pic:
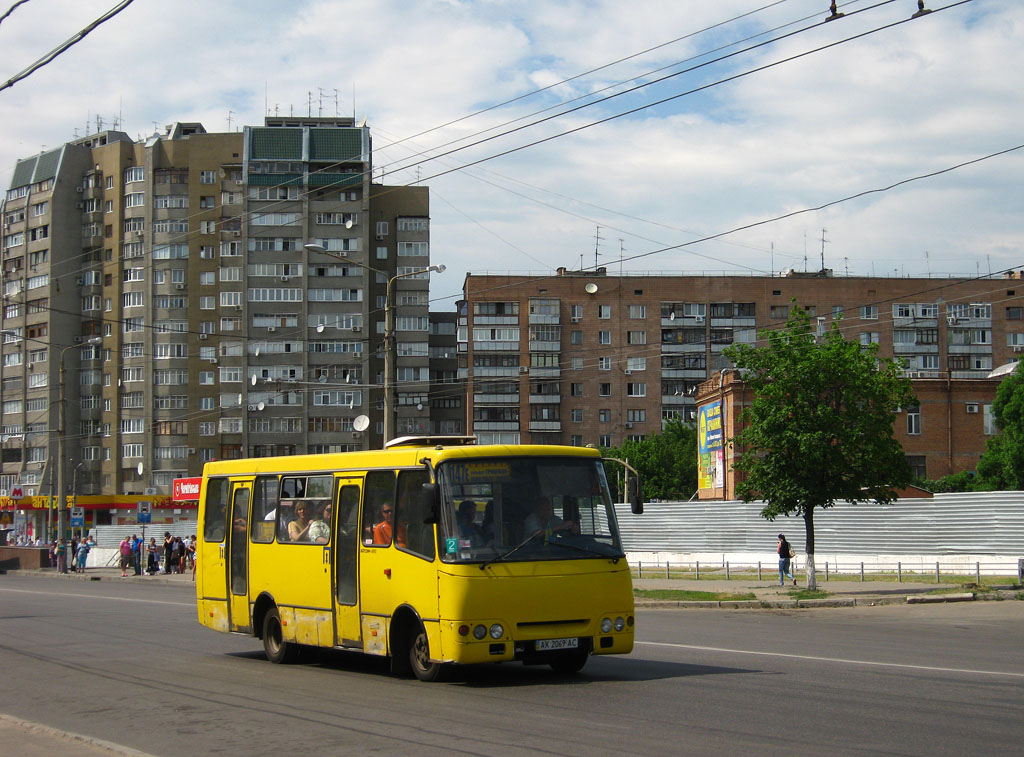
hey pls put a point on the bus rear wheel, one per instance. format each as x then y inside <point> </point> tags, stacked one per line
<point>419,658</point>
<point>276,648</point>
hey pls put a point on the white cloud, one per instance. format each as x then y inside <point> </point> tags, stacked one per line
<point>906,101</point>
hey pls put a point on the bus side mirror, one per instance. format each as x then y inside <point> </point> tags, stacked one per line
<point>429,503</point>
<point>636,497</point>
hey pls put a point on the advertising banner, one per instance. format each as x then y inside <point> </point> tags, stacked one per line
<point>709,446</point>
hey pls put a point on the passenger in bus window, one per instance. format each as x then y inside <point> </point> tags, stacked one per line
<point>467,523</point>
<point>383,531</point>
<point>298,529</point>
<point>319,531</point>
<point>544,521</point>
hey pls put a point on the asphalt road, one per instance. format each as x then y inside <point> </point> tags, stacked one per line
<point>127,663</point>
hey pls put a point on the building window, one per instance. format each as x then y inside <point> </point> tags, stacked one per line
<point>576,337</point>
<point>604,390</point>
<point>636,337</point>
<point>868,337</point>
<point>207,177</point>
<point>576,415</point>
<point>576,390</point>
<point>918,469</point>
<point>636,389</point>
<point>637,311</point>
<point>869,312</point>
<point>603,363</point>
<point>914,421</point>
<point>604,337</point>
<point>990,421</point>
<point>780,311</point>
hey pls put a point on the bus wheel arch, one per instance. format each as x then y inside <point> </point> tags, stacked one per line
<point>410,647</point>
<point>264,602</point>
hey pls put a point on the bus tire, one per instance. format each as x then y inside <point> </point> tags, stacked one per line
<point>419,657</point>
<point>569,662</point>
<point>278,650</point>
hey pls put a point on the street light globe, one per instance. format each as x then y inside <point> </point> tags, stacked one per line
<point>313,247</point>
<point>439,268</point>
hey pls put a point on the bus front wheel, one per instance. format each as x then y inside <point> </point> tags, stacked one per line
<point>419,658</point>
<point>569,662</point>
<point>277,649</point>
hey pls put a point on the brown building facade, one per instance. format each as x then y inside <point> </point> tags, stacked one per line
<point>592,358</point>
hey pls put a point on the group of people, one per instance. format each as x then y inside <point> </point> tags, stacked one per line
<point>179,554</point>
<point>73,553</point>
<point>310,523</point>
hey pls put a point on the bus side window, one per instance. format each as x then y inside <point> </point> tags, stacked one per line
<point>410,514</point>
<point>216,512</point>
<point>378,498</point>
<point>264,510</point>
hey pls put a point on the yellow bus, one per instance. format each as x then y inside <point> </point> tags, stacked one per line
<point>432,551</point>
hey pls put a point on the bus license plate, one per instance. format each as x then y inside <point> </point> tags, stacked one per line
<point>545,645</point>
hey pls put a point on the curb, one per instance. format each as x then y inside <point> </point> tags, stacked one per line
<point>940,598</point>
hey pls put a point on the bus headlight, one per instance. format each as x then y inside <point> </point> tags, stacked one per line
<point>606,625</point>
<point>479,631</point>
<point>497,631</point>
<point>619,623</point>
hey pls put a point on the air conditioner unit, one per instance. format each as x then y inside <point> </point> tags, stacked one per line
<point>79,281</point>
<point>236,233</point>
<point>627,424</point>
<point>253,407</point>
<point>951,321</point>
<point>203,336</point>
<point>575,319</point>
<point>179,287</point>
<point>271,328</point>
<point>628,372</point>
<point>79,339</point>
<point>79,205</point>
<point>238,307</point>
<point>379,236</point>
<point>698,319</point>
<point>972,407</point>
<point>1018,348</point>
<point>191,450</point>
<point>357,329</point>
<point>78,189</point>
<point>523,369</point>
<point>285,278</point>
<point>138,234</point>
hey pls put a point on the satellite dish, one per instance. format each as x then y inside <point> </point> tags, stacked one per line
<point>323,378</point>
<point>348,224</point>
<point>253,380</point>
<point>419,405</point>
<point>320,328</point>
<point>261,405</point>
<point>361,423</point>
<point>256,352</point>
<point>591,288</point>
<point>140,467</point>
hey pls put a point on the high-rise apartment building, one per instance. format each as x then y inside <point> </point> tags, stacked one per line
<point>592,358</point>
<point>173,280</point>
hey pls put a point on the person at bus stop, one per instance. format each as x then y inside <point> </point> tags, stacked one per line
<point>544,521</point>
<point>383,531</point>
<point>318,531</point>
<point>125,549</point>
<point>168,546</point>
<point>785,550</point>
<point>298,529</point>
<point>137,554</point>
<point>60,551</point>
<point>152,558</point>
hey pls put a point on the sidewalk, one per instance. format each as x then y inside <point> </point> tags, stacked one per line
<point>768,593</point>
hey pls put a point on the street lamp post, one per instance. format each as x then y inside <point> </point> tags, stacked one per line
<point>62,503</point>
<point>389,329</point>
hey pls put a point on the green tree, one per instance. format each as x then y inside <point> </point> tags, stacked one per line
<point>1002,464</point>
<point>666,462</point>
<point>819,429</point>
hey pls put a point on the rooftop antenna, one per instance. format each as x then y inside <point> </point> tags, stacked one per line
<point>353,101</point>
<point>309,103</point>
<point>230,113</point>
<point>927,264</point>
<point>773,258</point>
<point>989,259</point>
<point>266,99</point>
<point>622,249</point>
<point>337,111</point>
<point>597,243</point>
<point>320,107</point>
<point>823,240</point>
<point>846,265</point>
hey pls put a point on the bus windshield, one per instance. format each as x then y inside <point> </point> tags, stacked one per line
<point>526,508</point>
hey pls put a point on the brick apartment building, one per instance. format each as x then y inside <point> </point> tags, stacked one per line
<point>170,279</point>
<point>592,358</point>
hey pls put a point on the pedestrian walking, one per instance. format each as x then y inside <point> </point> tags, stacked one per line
<point>786,553</point>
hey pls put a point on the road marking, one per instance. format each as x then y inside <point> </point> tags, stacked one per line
<point>99,596</point>
<point>839,660</point>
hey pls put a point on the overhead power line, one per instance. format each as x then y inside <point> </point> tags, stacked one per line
<point>64,46</point>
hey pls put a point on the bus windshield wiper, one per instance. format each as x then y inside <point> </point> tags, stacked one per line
<point>516,548</point>
<point>584,550</point>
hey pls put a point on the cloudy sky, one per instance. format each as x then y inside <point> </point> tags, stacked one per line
<point>727,114</point>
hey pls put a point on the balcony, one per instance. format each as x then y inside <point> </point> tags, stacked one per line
<point>546,426</point>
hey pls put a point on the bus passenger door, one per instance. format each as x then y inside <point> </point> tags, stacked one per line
<point>346,562</point>
<point>238,558</point>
